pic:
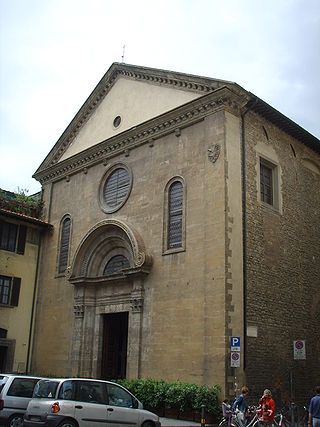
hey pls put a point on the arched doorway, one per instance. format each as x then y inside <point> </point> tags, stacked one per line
<point>108,274</point>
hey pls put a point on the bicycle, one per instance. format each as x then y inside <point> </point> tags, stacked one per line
<point>251,421</point>
<point>302,420</point>
<point>280,419</point>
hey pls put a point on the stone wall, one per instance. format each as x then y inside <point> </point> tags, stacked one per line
<point>283,258</point>
<point>193,299</point>
<point>184,320</point>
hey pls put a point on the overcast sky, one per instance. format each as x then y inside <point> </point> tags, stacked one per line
<point>54,52</point>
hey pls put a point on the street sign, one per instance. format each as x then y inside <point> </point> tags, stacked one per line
<point>235,359</point>
<point>235,343</point>
<point>299,350</point>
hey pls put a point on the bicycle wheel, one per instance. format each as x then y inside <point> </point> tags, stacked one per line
<point>223,423</point>
<point>252,422</point>
<point>277,420</point>
<point>235,422</point>
<point>303,421</point>
<point>286,423</point>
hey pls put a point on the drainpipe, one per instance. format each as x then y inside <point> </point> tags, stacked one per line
<point>33,302</point>
<point>244,227</point>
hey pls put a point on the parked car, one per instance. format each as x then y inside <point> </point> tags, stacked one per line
<point>77,402</point>
<point>15,393</point>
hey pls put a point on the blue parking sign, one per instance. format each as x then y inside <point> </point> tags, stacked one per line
<point>235,343</point>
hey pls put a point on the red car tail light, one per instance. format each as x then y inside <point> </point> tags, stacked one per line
<point>1,404</point>
<point>55,407</point>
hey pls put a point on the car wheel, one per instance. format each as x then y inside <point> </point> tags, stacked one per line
<point>15,421</point>
<point>148,424</point>
<point>68,423</point>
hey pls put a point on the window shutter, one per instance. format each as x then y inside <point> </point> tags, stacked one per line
<point>116,187</point>
<point>21,239</point>
<point>16,284</point>
<point>64,245</point>
<point>175,215</point>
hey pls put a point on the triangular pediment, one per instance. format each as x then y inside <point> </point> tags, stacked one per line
<point>131,94</point>
<point>128,103</point>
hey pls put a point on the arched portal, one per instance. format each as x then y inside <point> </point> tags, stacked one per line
<point>108,271</point>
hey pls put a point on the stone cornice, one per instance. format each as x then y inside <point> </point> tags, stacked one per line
<point>125,275</point>
<point>147,132</point>
<point>186,82</point>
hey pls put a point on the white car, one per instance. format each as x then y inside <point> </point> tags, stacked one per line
<point>77,402</point>
<point>15,394</point>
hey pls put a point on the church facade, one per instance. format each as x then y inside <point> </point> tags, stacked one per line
<point>185,211</point>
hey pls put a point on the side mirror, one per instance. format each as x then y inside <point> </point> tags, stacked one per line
<point>135,404</point>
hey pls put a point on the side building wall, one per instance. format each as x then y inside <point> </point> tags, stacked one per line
<point>15,319</point>
<point>283,258</point>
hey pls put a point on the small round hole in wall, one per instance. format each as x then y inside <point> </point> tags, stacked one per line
<point>116,122</point>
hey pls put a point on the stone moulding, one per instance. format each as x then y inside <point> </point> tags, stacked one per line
<point>201,85</point>
<point>92,242</point>
<point>181,117</point>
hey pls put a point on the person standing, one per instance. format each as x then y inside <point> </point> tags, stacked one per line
<point>240,405</point>
<point>268,407</point>
<point>314,409</point>
<point>226,411</point>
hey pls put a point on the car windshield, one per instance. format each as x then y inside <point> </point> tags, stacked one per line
<point>45,389</point>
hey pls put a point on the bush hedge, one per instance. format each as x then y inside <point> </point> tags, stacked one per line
<point>160,394</point>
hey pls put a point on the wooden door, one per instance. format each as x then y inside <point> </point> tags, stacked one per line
<point>114,351</point>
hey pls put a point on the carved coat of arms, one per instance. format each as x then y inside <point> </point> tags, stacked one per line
<point>213,152</point>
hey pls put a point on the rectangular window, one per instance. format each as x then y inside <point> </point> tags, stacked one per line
<point>5,289</point>
<point>10,290</point>
<point>8,236</point>
<point>12,237</point>
<point>91,392</point>
<point>269,185</point>
<point>22,387</point>
<point>266,190</point>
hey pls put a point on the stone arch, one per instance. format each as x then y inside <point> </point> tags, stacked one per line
<point>95,294</point>
<point>104,240</point>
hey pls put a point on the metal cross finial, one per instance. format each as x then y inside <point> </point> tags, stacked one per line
<point>124,46</point>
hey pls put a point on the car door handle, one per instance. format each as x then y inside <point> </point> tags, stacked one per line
<point>110,409</point>
<point>79,407</point>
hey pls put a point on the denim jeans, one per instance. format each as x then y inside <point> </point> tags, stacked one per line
<point>315,422</point>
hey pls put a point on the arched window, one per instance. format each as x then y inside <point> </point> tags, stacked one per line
<point>115,265</point>
<point>175,212</point>
<point>64,244</point>
<point>174,216</point>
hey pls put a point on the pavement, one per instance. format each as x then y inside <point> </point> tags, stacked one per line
<point>170,422</point>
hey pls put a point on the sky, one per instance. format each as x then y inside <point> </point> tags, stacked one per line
<point>54,52</point>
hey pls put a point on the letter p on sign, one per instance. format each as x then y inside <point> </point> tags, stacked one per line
<point>235,343</point>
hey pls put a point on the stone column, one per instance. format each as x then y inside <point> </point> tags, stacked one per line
<point>88,332</point>
<point>77,335</point>
<point>134,331</point>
